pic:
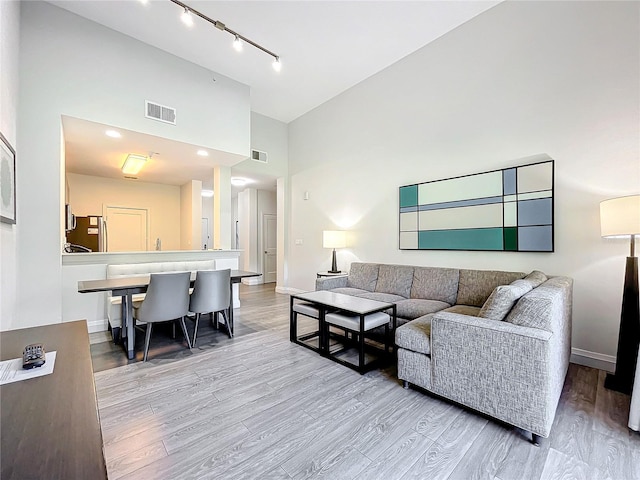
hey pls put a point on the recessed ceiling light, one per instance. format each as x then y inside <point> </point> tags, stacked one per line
<point>239,181</point>
<point>203,153</point>
<point>112,134</point>
<point>207,193</point>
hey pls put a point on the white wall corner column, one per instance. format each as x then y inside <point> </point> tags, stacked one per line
<point>283,233</point>
<point>222,207</point>
<point>191,215</point>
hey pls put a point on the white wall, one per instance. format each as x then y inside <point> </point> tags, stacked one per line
<point>191,215</point>
<point>88,195</point>
<point>522,79</point>
<point>252,205</point>
<point>72,66</point>
<point>270,136</point>
<point>9,48</point>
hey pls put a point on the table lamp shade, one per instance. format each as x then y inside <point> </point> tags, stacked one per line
<point>620,216</point>
<point>334,239</point>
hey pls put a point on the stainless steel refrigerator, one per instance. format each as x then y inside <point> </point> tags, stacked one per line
<point>89,233</point>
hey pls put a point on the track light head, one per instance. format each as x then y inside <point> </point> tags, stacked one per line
<point>277,66</point>
<point>237,44</point>
<point>186,17</point>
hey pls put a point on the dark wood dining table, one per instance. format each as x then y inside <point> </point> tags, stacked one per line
<point>126,287</point>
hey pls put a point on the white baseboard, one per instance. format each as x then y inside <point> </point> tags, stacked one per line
<point>95,326</point>
<point>288,290</point>
<point>593,359</point>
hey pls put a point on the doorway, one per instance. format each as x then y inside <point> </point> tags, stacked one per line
<point>126,229</point>
<point>270,244</point>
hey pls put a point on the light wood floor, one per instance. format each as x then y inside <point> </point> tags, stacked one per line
<point>260,407</point>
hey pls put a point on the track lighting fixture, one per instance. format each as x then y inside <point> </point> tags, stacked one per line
<point>237,44</point>
<point>187,18</point>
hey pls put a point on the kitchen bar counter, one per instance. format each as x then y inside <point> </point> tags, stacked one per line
<point>93,266</point>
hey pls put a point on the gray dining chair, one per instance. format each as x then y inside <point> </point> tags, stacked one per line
<point>211,294</point>
<point>167,299</point>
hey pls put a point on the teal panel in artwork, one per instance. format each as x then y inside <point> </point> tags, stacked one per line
<point>409,196</point>
<point>467,239</point>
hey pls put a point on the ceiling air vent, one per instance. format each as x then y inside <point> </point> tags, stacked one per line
<point>160,112</point>
<point>259,156</point>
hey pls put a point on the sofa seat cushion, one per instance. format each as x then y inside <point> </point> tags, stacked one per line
<point>476,285</point>
<point>381,297</point>
<point>356,292</point>
<point>416,307</point>
<point>395,279</point>
<point>503,298</point>
<point>464,310</point>
<point>415,335</point>
<point>435,284</point>
<point>363,276</point>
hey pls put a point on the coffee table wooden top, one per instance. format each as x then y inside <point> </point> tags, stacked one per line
<point>360,306</point>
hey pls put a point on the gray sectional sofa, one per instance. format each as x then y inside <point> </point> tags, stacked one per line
<point>497,342</point>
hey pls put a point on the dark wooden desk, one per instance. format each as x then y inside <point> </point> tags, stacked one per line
<point>49,425</point>
<point>126,287</point>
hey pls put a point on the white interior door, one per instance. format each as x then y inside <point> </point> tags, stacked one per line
<point>270,243</point>
<point>206,239</point>
<point>126,229</point>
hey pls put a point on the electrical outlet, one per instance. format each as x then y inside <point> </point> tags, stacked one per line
<point>298,241</point>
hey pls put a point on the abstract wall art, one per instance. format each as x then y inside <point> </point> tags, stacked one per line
<point>502,210</point>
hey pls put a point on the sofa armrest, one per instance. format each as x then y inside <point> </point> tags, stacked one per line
<point>497,368</point>
<point>327,283</point>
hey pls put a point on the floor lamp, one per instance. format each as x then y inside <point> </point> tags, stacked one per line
<point>334,239</point>
<point>620,217</point>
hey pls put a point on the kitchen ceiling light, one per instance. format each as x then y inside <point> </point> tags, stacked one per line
<point>112,134</point>
<point>133,164</point>
<point>221,26</point>
<point>239,181</point>
<point>203,153</point>
<point>207,193</point>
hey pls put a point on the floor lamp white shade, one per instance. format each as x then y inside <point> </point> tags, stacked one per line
<point>334,239</point>
<point>620,217</point>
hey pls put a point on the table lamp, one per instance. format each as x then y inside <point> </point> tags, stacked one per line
<point>334,239</point>
<point>620,217</point>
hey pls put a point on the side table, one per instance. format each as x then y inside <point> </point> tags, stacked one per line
<point>330,274</point>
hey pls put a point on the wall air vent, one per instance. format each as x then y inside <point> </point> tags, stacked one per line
<point>259,156</point>
<point>159,112</point>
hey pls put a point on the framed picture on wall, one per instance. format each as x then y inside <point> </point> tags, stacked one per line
<point>7,181</point>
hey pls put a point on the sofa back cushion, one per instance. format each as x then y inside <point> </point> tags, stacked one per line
<point>395,279</point>
<point>535,279</point>
<point>363,276</point>
<point>543,306</point>
<point>475,286</point>
<point>503,298</point>
<point>432,283</point>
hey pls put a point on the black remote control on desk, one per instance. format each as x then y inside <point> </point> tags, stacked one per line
<point>33,356</point>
